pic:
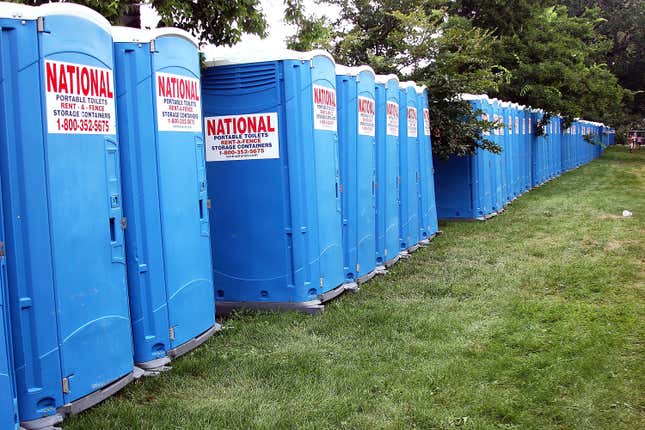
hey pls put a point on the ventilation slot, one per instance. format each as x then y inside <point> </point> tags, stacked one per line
<point>249,77</point>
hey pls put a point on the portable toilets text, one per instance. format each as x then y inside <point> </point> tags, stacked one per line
<point>242,137</point>
<point>392,112</point>
<point>179,104</point>
<point>79,99</point>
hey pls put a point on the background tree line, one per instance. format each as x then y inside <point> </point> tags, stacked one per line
<point>572,57</point>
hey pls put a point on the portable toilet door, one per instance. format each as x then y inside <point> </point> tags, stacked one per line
<point>548,172</point>
<point>164,193</point>
<point>538,150</point>
<point>380,97</point>
<point>357,158</point>
<point>525,150</point>
<point>517,156</point>
<point>60,66</point>
<point>564,137</point>
<point>486,175</point>
<point>510,152</point>
<point>555,141</point>
<point>506,136</point>
<point>387,161</point>
<point>276,235</point>
<point>497,180</point>
<point>408,167</point>
<point>484,160</point>
<point>429,225</point>
<point>8,400</point>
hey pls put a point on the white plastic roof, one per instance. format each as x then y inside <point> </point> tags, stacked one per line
<point>233,56</point>
<point>468,96</point>
<point>73,9</point>
<point>127,34</point>
<point>408,84</point>
<point>343,70</point>
<point>384,79</point>
<point>17,11</point>
<point>353,71</point>
<point>173,31</point>
<point>364,68</point>
<point>420,88</point>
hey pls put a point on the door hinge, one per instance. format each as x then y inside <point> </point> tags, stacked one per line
<point>124,223</point>
<point>358,268</point>
<point>208,203</point>
<point>40,25</point>
<point>322,282</point>
<point>340,188</point>
<point>171,333</point>
<point>65,385</point>
<point>152,46</point>
<point>2,249</point>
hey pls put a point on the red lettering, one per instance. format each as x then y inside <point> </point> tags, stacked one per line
<point>251,124</point>
<point>52,82</point>
<point>262,127</point>
<point>210,128</point>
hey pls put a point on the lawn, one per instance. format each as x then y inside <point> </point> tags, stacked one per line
<point>534,319</point>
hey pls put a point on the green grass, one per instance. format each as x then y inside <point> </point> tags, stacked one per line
<point>534,319</point>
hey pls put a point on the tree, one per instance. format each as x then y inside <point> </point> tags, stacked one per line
<point>416,40</point>
<point>558,62</point>
<point>220,22</point>
<point>624,25</point>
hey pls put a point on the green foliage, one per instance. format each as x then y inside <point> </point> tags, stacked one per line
<point>416,40</point>
<point>624,25</point>
<point>220,22</point>
<point>531,52</point>
<point>554,64</point>
<point>313,32</point>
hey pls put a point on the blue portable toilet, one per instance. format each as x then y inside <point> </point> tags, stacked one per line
<point>497,160</point>
<point>428,223</point>
<point>164,193</point>
<point>575,157</point>
<point>564,147</point>
<point>506,136</point>
<point>507,154</point>
<point>8,400</point>
<point>538,149</point>
<point>463,184</point>
<point>409,168</point>
<point>387,170</point>
<point>357,160</point>
<point>557,142</point>
<point>68,294</point>
<point>525,152</point>
<point>548,158</point>
<point>517,150</point>
<point>272,166</point>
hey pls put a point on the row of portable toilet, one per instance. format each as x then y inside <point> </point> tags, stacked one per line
<point>320,176</point>
<point>104,233</point>
<point>532,152</point>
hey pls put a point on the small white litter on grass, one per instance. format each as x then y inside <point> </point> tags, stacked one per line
<point>627,213</point>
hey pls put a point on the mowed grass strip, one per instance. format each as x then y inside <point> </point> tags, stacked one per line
<point>534,319</point>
